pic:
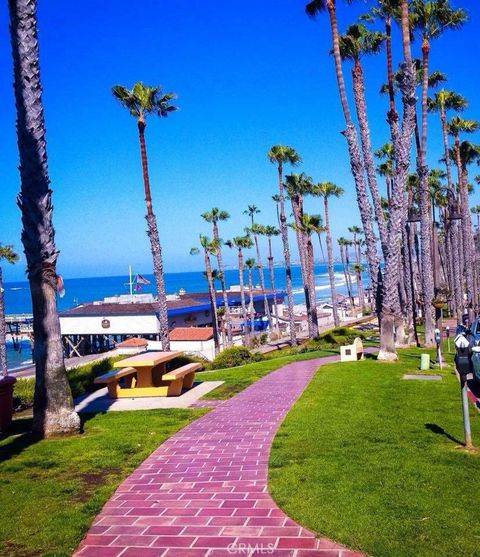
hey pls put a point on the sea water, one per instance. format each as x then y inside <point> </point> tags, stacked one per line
<point>84,290</point>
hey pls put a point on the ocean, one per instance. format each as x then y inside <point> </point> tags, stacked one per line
<point>77,291</point>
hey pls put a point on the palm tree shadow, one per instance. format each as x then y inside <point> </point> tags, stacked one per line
<point>434,428</point>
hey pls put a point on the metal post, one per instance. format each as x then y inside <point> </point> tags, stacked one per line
<point>466,414</point>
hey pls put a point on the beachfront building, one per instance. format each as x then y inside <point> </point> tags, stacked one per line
<point>96,326</point>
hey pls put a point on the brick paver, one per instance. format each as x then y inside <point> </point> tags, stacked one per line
<point>203,493</point>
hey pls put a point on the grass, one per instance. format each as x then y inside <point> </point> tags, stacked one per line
<point>239,378</point>
<point>373,461</point>
<point>50,490</point>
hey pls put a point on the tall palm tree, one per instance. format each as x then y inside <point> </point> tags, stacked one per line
<point>250,265</point>
<point>256,229</point>
<point>342,244</point>
<point>385,168</point>
<point>241,243</point>
<point>455,127</point>
<point>298,185</point>
<point>210,247</point>
<point>6,254</point>
<point>276,199</point>
<point>356,161</point>
<point>53,410</point>
<point>357,42</point>
<point>214,217</point>
<point>358,270</point>
<point>271,231</point>
<point>320,229</point>
<point>142,101</point>
<point>326,190</point>
<point>431,19</point>
<point>281,155</point>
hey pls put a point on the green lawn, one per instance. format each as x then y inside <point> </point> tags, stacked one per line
<point>50,490</point>
<point>239,378</point>
<point>373,461</point>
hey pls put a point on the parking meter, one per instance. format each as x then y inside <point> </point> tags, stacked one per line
<point>437,337</point>
<point>463,356</point>
<point>447,334</point>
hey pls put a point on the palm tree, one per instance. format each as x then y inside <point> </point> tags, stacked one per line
<point>342,244</point>
<point>320,229</point>
<point>142,101</point>
<point>276,199</point>
<point>455,127</point>
<point>357,42</point>
<point>280,155</point>
<point>271,231</point>
<point>356,161</point>
<point>256,229</point>
<point>6,254</point>
<point>214,216</point>
<point>385,168</point>
<point>298,185</point>
<point>210,247</point>
<point>241,243</point>
<point>326,190</point>
<point>358,270</point>
<point>53,410</point>
<point>250,265</point>
<point>431,19</point>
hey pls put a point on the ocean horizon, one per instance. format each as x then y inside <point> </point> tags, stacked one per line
<point>84,290</point>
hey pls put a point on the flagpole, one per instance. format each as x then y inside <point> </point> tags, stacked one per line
<point>130,283</point>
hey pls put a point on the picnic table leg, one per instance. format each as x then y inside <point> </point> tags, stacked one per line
<point>144,377</point>
<point>175,387</point>
<point>188,381</point>
<point>113,388</point>
<point>157,373</point>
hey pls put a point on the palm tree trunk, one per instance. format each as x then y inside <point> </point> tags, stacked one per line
<point>345,275</point>
<point>320,243</point>
<point>356,161</point>
<point>349,276</point>
<point>155,246</point>
<point>228,319</point>
<point>331,274</point>
<point>251,306</point>
<point>53,412</point>
<point>428,284</point>
<point>301,242</point>
<point>286,255</point>
<point>262,282</point>
<point>361,110</point>
<point>242,297</point>
<point>213,302</point>
<point>3,331</point>
<point>311,285</point>
<point>272,283</point>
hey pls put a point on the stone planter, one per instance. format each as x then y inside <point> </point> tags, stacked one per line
<point>6,401</point>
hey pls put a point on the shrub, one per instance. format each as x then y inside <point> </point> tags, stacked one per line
<point>23,393</point>
<point>331,339</point>
<point>185,359</point>
<point>235,356</point>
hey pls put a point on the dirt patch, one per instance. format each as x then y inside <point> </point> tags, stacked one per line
<point>92,480</point>
<point>16,550</point>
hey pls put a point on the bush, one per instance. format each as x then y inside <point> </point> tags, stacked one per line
<point>235,356</point>
<point>23,394</point>
<point>331,339</point>
<point>185,359</point>
<point>80,379</point>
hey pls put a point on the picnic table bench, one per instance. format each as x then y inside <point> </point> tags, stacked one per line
<point>146,375</point>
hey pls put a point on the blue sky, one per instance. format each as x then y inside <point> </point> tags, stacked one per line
<point>248,75</point>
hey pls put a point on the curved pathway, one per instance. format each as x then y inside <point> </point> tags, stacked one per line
<point>203,493</point>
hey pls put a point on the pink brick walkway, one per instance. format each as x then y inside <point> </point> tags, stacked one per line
<point>204,491</point>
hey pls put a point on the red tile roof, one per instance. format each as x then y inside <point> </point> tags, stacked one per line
<point>134,342</point>
<point>191,333</point>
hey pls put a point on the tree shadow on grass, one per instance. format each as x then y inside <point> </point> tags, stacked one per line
<point>434,428</point>
<point>21,437</point>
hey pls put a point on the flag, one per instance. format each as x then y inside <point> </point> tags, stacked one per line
<point>60,286</point>
<point>141,280</point>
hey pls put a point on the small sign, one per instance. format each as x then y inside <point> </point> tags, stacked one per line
<point>105,324</point>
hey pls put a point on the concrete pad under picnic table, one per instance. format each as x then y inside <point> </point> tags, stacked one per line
<point>99,401</point>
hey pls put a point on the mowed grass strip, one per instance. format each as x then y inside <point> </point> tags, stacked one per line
<point>239,378</point>
<point>50,490</point>
<point>373,461</point>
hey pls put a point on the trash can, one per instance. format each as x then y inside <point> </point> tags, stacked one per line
<point>6,401</point>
